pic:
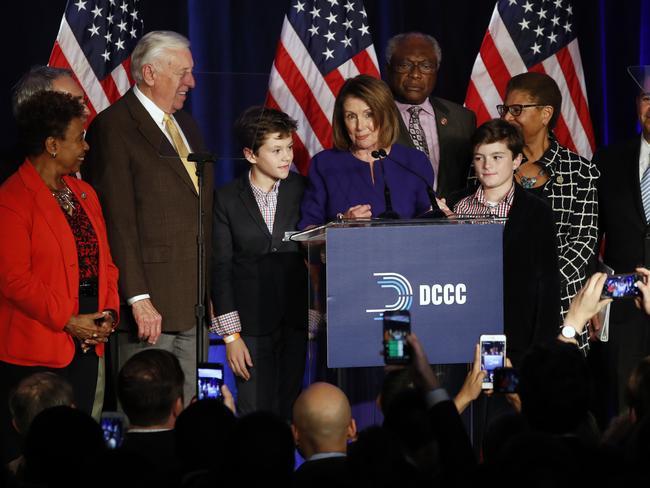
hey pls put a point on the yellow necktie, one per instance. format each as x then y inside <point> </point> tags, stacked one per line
<point>181,149</point>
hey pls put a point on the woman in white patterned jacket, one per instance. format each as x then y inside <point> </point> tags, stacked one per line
<point>563,178</point>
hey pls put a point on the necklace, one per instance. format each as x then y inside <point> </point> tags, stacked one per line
<point>63,197</point>
<point>529,182</point>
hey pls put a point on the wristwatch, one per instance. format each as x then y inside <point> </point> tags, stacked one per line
<point>581,338</point>
<point>569,332</point>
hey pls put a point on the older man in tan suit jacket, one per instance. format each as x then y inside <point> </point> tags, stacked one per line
<point>148,191</point>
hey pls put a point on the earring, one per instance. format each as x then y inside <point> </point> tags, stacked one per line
<point>53,155</point>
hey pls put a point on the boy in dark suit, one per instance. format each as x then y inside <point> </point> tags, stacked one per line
<point>259,288</point>
<point>531,277</point>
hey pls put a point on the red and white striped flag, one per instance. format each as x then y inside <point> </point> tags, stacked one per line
<point>95,41</point>
<point>323,43</point>
<point>534,35</point>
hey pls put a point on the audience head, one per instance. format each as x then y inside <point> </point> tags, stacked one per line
<point>201,434</point>
<point>554,388</point>
<point>322,420</point>
<point>365,116</point>
<point>375,460</point>
<point>35,394</point>
<point>150,388</point>
<point>539,91</point>
<point>44,78</point>
<point>394,383</point>
<point>64,447</point>
<point>261,450</point>
<point>413,62</point>
<point>638,390</point>
<point>407,419</point>
<point>162,65</point>
<point>53,122</point>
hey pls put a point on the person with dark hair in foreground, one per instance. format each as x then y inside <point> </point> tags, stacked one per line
<point>150,390</point>
<point>201,438</point>
<point>259,280</point>
<point>33,395</point>
<point>64,448</point>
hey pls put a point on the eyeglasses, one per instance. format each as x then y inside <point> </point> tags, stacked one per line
<point>516,108</point>
<point>425,67</point>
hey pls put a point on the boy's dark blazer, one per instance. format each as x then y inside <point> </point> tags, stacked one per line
<point>254,272</point>
<point>531,274</point>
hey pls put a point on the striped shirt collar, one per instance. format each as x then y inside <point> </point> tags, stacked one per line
<point>477,206</point>
<point>261,195</point>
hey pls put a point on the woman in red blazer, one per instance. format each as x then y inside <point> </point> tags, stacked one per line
<point>58,283</point>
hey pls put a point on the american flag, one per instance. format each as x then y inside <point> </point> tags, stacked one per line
<point>527,35</point>
<point>95,41</point>
<point>323,43</point>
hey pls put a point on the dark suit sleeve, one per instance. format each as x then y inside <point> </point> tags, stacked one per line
<point>109,160</point>
<point>223,297</point>
<point>548,278</point>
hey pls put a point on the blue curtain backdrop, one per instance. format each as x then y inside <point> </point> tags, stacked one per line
<point>235,40</point>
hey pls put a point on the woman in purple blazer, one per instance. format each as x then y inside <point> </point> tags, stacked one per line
<point>350,180</point>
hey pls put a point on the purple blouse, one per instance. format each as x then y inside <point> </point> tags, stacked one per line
<point>338,181</point>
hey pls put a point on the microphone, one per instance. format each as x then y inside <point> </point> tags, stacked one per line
<point>435,211</point>
<point>389,213</point>
<point>202,157</point>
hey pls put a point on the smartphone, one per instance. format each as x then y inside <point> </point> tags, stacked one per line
<point>621,286</point>
<point>506,380</point>
<point>114,426</point>
<point>397,326</point>
<point>493,355</point>
<point>209,380</point>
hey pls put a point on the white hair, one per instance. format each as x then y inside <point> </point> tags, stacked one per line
<point>394,41</point>
<point>152,46</point>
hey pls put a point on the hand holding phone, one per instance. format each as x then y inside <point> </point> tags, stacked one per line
<point>397,326</point>
<point>621,286</point>
<point>493,355</point>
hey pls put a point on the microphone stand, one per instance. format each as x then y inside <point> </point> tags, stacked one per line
<point>435,212</point>
<point>200,159</point>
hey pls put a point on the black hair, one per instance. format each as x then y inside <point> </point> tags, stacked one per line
<point>46,114</point>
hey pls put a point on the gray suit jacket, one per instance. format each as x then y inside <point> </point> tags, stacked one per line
<point>150,206</point>
<point>455,125</point>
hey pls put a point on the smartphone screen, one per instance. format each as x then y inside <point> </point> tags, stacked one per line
<point>493,355</point>
<point>210,379</point>
<point>621,286</point>
<point>397,326</point>
<point>113,428</point>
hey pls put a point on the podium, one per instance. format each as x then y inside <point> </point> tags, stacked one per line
<point>448,273</point>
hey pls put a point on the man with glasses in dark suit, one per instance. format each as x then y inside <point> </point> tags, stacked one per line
<point>439,128</point>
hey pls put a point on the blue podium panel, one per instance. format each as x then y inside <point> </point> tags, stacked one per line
<point>450,277</point>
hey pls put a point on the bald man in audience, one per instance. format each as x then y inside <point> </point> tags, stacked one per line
<point>322,426</point>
